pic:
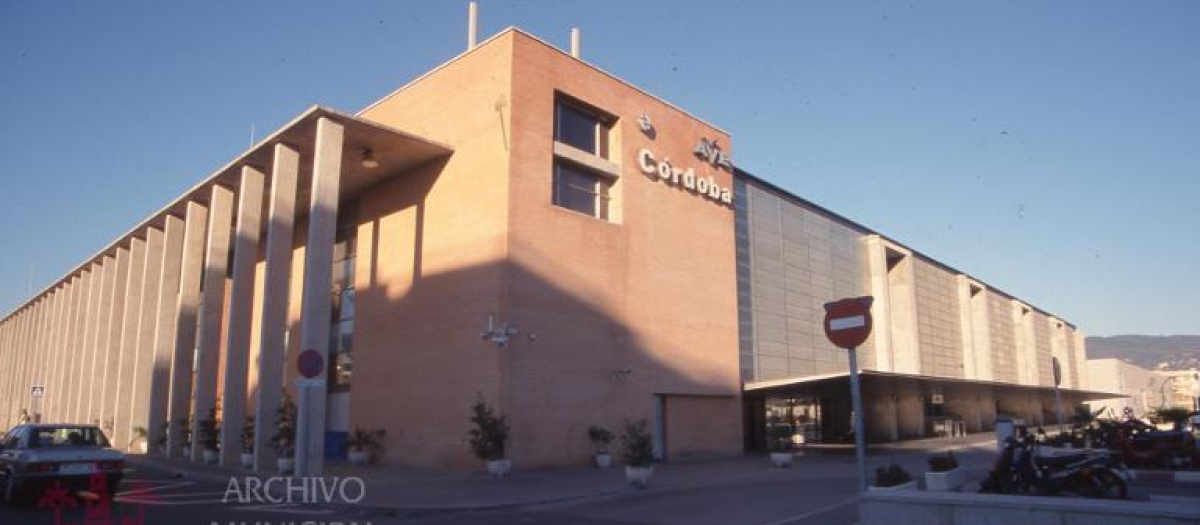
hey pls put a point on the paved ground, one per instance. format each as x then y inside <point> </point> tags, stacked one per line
<point>818,489</point>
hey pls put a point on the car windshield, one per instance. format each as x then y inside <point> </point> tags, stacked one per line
<point>46,437</point>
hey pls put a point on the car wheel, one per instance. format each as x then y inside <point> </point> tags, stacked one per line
<point>7,491</point>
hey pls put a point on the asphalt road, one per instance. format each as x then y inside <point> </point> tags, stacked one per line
<point>804,496</point>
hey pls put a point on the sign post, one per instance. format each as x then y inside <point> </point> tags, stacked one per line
<point>1057,394</point>
<point>847,325</point>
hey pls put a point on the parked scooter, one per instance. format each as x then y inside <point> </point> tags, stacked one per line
<point>1020,470</point>
<point>1143,445</point>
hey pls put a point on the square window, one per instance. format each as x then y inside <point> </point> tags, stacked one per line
<point>580,190</point>
<point>581,128</point>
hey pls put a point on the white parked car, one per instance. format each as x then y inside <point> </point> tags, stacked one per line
<point>33,457</point>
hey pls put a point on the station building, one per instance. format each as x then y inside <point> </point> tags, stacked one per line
<point>518,226</point>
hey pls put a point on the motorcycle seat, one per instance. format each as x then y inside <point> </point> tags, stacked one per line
<point>1060,461</point>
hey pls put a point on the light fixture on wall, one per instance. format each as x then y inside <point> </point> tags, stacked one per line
<point>644,124</point>
<point>497,334</point>
<point>368,159</point>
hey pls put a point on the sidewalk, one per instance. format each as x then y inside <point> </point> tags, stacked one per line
<point>407,489</point>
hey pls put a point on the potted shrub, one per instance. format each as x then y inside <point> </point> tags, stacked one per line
<point>600,438</point>
<point>139,440</point>
<point>160,443</point>
<point>892,477</point>
<point>185,428</point>
<point>638,452</point>
<point>284,439</point>
<point>362,443</point>
<point>488,437</point>
<point>780,434</point>
<point>944,474</point>
<point>209,433</point>
<point>247,442</point>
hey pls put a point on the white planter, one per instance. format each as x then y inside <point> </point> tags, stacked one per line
<point>357,457</point>
<point>639,476</point>
<point>499,467</point>
<point>247,460</point>
<point>603,460</point>
<point>781,459</point>
<point>911,485</point>
<point>209,456</point>
<point>950,480</point>
<point>285,465</point>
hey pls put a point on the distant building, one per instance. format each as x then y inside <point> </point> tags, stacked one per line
<point>1144,390</point>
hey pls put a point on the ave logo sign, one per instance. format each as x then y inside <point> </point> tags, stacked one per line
<point>848,321</point>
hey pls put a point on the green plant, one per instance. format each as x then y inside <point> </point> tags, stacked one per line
<point>185,429</point>
<point>600,437</point>
<point>284,439</point>
<point>161,440</point>
<point>1174,415</point>
<point>209,430</point>
<point>780,433</point>
<point>890,476</point>
<point>247,437</point>
<point>638,444</point>
<point>490,432</point>
<point>139,434</point>
<point>362,440</point>
<point>943,463</point>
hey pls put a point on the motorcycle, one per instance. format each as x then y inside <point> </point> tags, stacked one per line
<point>1143,445</point>
<point>1021,470</point>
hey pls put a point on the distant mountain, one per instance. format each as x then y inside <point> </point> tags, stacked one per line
<point>1152,352</point>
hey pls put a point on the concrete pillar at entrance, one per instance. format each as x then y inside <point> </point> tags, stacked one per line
<point>187,304</point>
<point>124,345</point>
<point>87,347</point>
<point>212,305</point>
<point>132,412</point>
<point>881,335</point>
<point>315,303</point>
<point>241,309</point>
<point>74,352</point>
<point>273,320</point>
<point>127,350</point>
<point>166,322</point>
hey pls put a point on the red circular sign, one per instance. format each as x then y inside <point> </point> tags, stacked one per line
<point>848,321</point>
<point>310,363</point>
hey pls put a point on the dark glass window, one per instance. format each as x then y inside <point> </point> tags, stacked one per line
<point>580,190</point>
<point>577,128</point>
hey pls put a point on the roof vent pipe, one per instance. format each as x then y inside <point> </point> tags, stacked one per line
<point>575,42</point>
<point>472,24</point>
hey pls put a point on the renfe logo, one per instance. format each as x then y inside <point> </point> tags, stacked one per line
<point>705,186</point>
<point>710,152</point>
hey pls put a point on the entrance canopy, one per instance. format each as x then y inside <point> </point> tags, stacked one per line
<point>927,384</point>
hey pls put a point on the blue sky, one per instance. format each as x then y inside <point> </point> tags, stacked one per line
<point>1050,149</point>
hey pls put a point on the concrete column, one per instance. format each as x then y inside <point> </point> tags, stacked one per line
<point>166,322</point>
<point>881,334</point>
<point>57,389</point>
<point>62,402</point>
<point>316,303</point>
<point>87,342</point>
<point>28,354</point>
<point>108,350</point>
<point>241,310</point>
<point>212,306</point>
<point>76,347</point>
<point>187,306</point>
<point>273,321</point>
<point>132,413</point>
<point>12,401</point>
<point>100,338</point>
<point>125,350</point>
<point>53,354</point>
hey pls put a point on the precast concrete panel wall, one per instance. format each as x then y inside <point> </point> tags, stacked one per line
<point>1041,341</point>
<point>791,261</point>
<point>938,327</point>
<point>1004,348</point>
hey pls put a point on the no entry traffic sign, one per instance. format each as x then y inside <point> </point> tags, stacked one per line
<point>310,364</point>
<point>848,321</point>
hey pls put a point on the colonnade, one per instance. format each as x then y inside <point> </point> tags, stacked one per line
<point>132,340</point>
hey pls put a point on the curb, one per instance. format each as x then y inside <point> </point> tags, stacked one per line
<point>1178,476</point>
